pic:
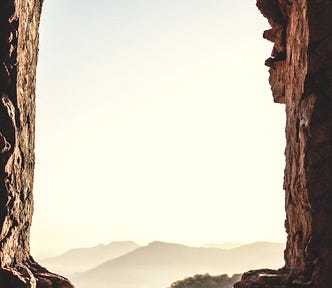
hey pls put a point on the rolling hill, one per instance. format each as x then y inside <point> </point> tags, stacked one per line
<point>159,264</point>
<point>82,259</point>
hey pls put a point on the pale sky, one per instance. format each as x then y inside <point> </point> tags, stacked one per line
<point>155,121</point>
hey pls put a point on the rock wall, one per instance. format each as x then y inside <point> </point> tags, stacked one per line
<point>301,77</point>
<point>19,22</point>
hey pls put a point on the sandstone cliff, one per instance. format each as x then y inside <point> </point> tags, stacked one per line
<point>19,21</point>
<point>301,77</point>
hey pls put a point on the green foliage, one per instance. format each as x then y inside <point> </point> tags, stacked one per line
<point>207,281</point>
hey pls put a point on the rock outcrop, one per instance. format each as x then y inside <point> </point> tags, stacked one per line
<point>19,21</point>
<point>301,77</point>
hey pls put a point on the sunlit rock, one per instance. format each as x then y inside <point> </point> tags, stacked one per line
<point>19,21</point>
<point>301,77</point>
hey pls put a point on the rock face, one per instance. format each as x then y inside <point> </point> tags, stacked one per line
<point>301,77</point>
<point>19,21</point>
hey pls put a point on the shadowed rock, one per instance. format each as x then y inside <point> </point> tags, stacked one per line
<point>302,79</point>
<point>19,22</point>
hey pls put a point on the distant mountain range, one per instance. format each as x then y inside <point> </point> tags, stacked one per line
<point>83,259</point>
<point>159,264</point>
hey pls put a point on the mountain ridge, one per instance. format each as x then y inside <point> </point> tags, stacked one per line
<point>160,263</point>
<point>82,259</point>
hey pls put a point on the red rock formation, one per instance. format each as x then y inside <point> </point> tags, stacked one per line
<point>19,21</point>
<point>301,77</point>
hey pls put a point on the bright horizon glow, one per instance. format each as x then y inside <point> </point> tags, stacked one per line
<point>155,121</point>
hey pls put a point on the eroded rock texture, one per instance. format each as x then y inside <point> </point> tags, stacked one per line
<point>19,21</point>
<point>301,77</point>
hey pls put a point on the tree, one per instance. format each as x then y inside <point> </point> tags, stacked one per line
<point>207,281</point>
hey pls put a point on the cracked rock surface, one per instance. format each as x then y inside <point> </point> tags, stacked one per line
<point>19,22</point>
<point>301,77</point>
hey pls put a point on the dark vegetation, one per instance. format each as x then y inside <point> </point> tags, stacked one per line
<point>207,281</point>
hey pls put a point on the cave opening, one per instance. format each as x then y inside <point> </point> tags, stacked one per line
<point>153,124</point>
<point>300,77</point>
<point>150,129</point>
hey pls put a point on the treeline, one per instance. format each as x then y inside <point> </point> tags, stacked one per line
<point>207,281</point>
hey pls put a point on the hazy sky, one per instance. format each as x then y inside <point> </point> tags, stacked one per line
<point>155,121</point>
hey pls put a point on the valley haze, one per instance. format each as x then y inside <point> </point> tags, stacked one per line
<point>158,264</point>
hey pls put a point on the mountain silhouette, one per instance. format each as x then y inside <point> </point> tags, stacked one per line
<point>82,259</point>
<point>159,264</point>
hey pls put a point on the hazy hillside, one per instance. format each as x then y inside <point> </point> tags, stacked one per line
<point>82,259</point>
<point>159,264</point>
